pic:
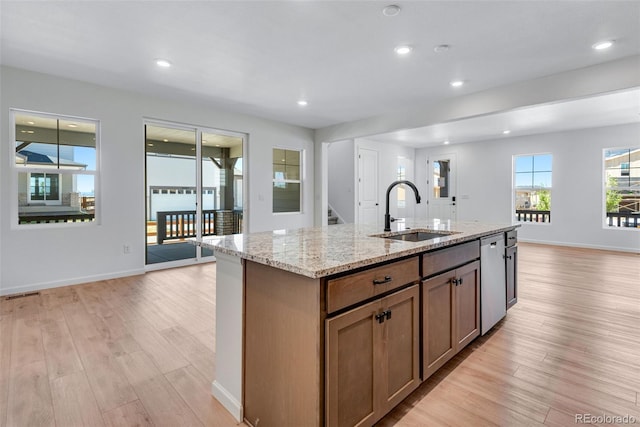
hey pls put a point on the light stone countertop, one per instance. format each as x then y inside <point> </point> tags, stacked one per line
<point>323,251</point>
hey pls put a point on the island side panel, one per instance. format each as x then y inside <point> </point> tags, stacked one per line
<point>227,386</point>
<point>284,346</point>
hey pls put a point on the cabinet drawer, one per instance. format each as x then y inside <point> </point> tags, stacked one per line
<point>511,237</point>
<point>345,291</point>
<point>448,258</point>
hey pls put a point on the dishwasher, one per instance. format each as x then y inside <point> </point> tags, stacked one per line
<point>493,281</point>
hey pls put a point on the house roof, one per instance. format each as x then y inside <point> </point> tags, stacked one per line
<point>34,158</point>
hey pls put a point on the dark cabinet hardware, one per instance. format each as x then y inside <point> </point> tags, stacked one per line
<point>386,279</point>
<point>382,316</point>
<point>456,282</point>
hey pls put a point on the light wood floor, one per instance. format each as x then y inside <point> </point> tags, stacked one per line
<point>140,351</point>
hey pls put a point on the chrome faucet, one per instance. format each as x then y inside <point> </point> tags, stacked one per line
<point>387,217</point>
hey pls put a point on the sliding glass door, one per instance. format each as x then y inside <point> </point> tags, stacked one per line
<point>194,180</point>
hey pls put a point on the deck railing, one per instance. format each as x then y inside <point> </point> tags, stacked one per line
<point>88,203</point>
<point>528,215</point>
<point>182,224</point>
<point>623,219</point>
<point>614,219</point>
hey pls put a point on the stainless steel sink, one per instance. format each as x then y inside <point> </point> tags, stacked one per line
<point>417,235</point>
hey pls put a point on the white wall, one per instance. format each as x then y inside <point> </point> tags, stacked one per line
<point>55,256</point>
<point>485,184</point>
<point>341,176</point>
<point>389,156</point>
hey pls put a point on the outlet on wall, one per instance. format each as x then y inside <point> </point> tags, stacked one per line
<point>126,248</point>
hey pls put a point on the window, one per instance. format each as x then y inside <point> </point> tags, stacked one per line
<point>44,186</point>
<point>441,171</point>
<point>287,186</point>
<point>622,187</point>
<point>532,187</point>
<point>55,167</point>
<point>401,193</point>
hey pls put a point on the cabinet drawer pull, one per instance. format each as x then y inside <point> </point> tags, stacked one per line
<point>380,317</point>
<point>387,314</point>
<point>386,279</point>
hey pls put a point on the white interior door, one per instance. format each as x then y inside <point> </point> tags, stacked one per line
<point>368,212</point>
<point>442,187</point>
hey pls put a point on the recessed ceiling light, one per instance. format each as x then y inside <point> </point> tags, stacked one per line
<point>165,140</point>
<point>446,142</point>
<point>391,10</point>
<point>303,103</point>
<point>602,45</point>
<point>506,132</point>
<point>217,145</point>
<point>71,125</point>
<point>441,48</point>
<point>23,131</point>
<point>456,83</point>
<point>163,63</point>
<point>403,49</point>
<point>31,131</point>
<point>150,145</point>
<point>31,123</point>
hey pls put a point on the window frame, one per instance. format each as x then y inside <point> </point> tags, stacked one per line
<point>532,188</point>
<point>626,166</point>
<point>299,181</point>
<point>16,170</point>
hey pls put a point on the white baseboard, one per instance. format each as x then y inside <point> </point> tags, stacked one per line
<point>580,245</point>
<point>67,282</point>
<point>227,400</point>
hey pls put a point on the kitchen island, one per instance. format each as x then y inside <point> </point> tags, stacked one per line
<point>336,325</point>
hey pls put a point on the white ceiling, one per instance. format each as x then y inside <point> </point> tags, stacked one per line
<point>605,110</point>
<point>260,57</point>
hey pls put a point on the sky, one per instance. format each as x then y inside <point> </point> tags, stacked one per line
<point>87,156</point>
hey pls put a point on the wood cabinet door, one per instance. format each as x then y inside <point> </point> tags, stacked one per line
<point>372,359</point>
<point>352,366</point>
<point>438,322</point>
<point>512,273</point>
<point>467,304</point>
<point>400,347</point>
